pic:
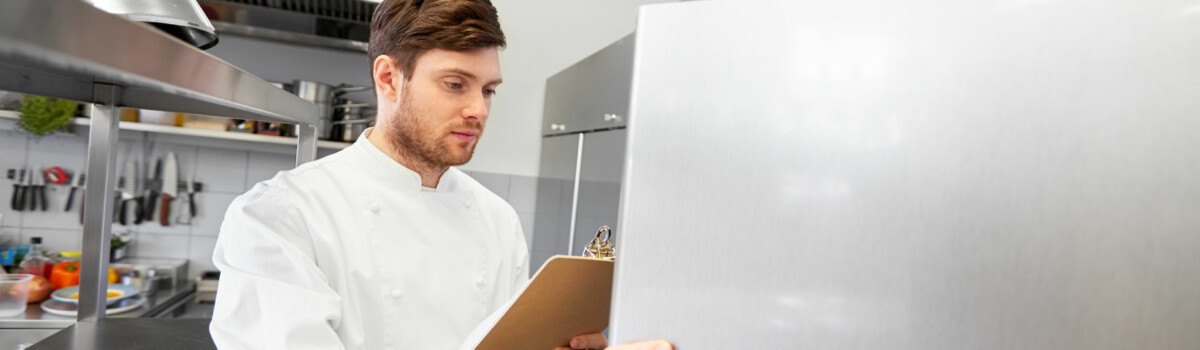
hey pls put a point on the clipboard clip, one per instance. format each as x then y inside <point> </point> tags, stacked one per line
<point>601,246</point>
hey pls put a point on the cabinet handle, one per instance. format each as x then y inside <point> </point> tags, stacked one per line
<point>554,127</point>
<point>609,117</point>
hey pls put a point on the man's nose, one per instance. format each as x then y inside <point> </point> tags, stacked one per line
<point>477,108</point>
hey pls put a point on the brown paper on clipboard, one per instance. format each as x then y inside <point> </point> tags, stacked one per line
<point>568,296</point>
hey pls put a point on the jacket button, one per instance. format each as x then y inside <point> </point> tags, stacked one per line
<point>479,281</point>
<point>467,204</point>
<point>396,293</point>
<point>374,208</point>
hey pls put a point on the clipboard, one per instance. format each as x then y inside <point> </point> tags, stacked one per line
<point>568,296</point>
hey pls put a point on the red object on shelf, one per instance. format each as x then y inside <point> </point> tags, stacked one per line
<point>56,175</point>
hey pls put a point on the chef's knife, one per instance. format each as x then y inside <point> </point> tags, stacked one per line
<point>39,190</point>
<point>75,180</point>
<point>18,199</point>
<point>170,188</point>
<point>128,188</point>
<point>151,195</point>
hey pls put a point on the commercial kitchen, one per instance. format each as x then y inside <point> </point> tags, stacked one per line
<point>925,174</point>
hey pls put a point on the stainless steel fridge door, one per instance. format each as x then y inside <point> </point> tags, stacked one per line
<point>913,175</point>
<point>599,185</point>
<point>555,198</point>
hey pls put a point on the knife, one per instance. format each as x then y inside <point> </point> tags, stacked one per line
<point>170,188</point>
<point>18,199</point>
<point>148,202</point>
<point>128,188</point>
<point>38,193</point>
<point>75,180</point>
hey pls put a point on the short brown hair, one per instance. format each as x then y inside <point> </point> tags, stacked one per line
<point>405,29</point>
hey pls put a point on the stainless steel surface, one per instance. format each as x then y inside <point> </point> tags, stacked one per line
<point>134,333</point>
<point>306,144</point>
<point>555,195</point>
<point>575,196</point>
<point>591,94</point>
<point>180,18</point>
<point>164,301</point>
<point>927,174</point>
<point>226,28</point>
<point>97,218</point>
<point>18,339</point>
<point>62,48</point>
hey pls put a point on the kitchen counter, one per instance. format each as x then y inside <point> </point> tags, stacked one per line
<point>158,303</point>
<point>132,334</point>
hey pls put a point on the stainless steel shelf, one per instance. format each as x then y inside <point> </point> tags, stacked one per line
<point>226,28</point>
<point>209,134</point>
<point>63,48</point>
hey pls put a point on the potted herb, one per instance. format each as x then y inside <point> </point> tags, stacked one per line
<point>41,116</point>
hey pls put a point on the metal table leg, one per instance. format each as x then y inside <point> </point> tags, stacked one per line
<point>306,146</point>
<point>97,217</point>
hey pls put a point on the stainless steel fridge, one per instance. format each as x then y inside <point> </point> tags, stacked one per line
<point>924,174</point>
<point>583,152</point>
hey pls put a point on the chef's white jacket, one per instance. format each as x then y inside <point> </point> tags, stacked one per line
<point>348,252</point>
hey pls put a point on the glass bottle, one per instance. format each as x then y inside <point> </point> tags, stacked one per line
<point>36,262</point>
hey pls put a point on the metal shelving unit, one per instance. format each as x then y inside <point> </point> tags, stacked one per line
<point>71,50</point>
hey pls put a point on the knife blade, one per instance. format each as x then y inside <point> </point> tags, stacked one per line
<point>128,188</point>
<point>151,194</point>
<point>75,180</point>
<point>170,188</point>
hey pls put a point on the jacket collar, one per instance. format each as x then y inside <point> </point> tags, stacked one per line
<point>380,164</point>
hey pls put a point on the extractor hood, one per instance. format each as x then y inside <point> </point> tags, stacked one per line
<point>182,19</point>
<point>338,24</point>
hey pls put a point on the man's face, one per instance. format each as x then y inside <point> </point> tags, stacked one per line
<point>444,105</point>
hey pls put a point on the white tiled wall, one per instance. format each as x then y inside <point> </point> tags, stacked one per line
<point>224,171</point>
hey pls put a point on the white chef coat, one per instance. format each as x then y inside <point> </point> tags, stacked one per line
<point>348,252</point>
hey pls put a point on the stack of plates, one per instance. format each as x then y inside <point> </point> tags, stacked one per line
<point>121,298</point>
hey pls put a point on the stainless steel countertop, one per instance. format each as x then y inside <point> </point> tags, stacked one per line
<point>132,334</point>
<point>63,48</point>
<point>35,317</point>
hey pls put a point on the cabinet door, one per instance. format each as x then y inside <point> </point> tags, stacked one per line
<point>599,185</point>
<point>592,94</point>
<point>555,191</point>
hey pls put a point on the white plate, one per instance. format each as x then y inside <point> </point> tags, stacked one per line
<point>71,309</point>
<point>64,295</point>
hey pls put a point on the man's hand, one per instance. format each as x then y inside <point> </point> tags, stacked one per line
<point>597,341</point>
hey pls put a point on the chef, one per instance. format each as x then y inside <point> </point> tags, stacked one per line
<point>384,245</point>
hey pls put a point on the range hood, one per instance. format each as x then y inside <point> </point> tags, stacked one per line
<point>337,24</point>
<point>182,19</point>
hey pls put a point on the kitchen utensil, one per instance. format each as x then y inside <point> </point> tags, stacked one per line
<point>75,181</point>
<point>56,175</point>
<point>186,218</point>
<point>128,188</point>
<point>170,188</point>
<point>18,198</point>
<point>151,195</point>
<point>182,19</point>
<point>16,287</point>
<point>37,191</point>
<point>71,309</point>
<point>116,292</point>
<point>319,94</point>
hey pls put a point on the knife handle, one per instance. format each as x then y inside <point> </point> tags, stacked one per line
<point>42,196</point>
<point>121,212</point>
<point>164,211</point>
<point>192,204</point>
<point>32,197</point>
<point>17,198</point>
<point>148,209</point>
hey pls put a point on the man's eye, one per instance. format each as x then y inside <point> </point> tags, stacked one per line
<point>454,86</point>
<point>489,92</point>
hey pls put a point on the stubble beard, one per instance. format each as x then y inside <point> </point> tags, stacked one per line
<point>425,144</point>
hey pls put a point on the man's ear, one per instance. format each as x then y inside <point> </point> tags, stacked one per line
<point>387,77</point>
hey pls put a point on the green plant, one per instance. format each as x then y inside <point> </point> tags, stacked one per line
<point>41,116</point>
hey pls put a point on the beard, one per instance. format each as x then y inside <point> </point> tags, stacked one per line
<point>413,135</point>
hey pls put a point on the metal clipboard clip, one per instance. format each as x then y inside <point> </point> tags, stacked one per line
<point>601,246</point>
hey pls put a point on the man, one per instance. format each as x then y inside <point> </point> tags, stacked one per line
<point>383,245</point>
